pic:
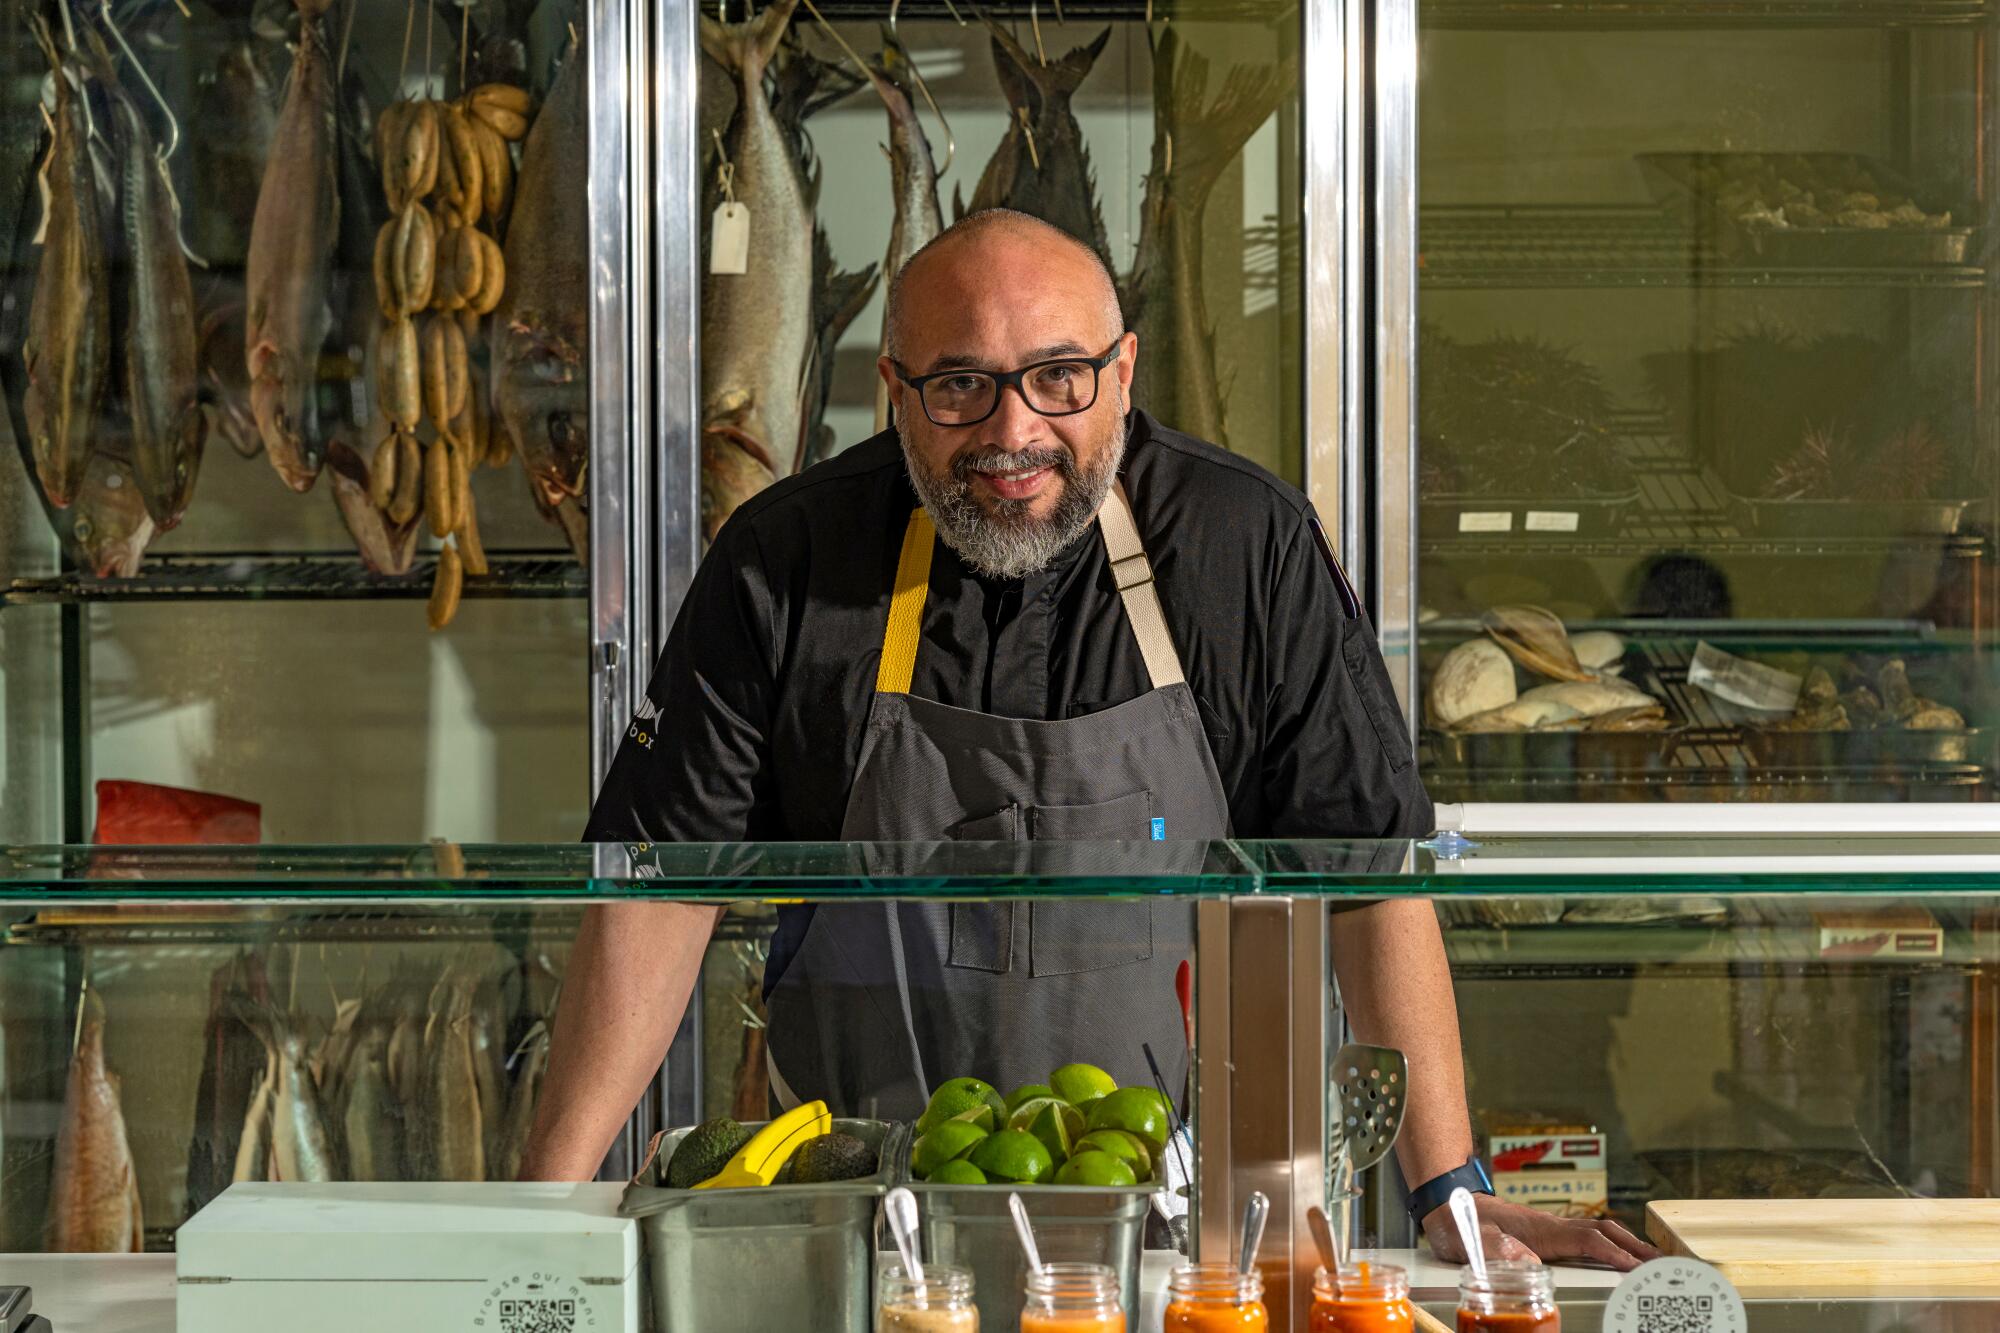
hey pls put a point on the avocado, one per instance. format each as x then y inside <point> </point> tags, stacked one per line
<point>704,1151</point>
<point>832,1157</point>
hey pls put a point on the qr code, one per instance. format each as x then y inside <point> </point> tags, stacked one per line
<point>1676,1314</point>
<point>537,1316</point>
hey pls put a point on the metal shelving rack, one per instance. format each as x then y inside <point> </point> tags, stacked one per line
<point>316,577</point>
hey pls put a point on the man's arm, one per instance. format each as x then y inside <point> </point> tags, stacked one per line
<point>630,973</point>
<point>694,767</point>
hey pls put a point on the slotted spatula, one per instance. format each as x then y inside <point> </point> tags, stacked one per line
<point>1372,1086</point>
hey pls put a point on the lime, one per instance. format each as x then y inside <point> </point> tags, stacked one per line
<point>1085,1105</point>
<point>1079,1083</point>
<point>950,1140</point>
<point>1027,1092</point>
<point>956,1096</point>
<point>1137,1111</point>
<point>1057,1124</point>
<point>980,1115</point>
<point>1014,1156</point>
<point>1095,1168</point>
<point>958,1172</point>
<point>1127,1148</point>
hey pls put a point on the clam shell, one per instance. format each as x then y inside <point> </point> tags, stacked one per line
<point>1592,698</point>
<point>1535,638</point>
<point>1597,649</point>
<point>1472,678</point>
<point>1524,714</point>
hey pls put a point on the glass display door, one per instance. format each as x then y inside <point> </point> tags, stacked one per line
<point>302,362</point>
<point>1701,456</point>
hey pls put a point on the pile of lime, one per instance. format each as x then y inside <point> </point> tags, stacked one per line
<point>1079,1128</point>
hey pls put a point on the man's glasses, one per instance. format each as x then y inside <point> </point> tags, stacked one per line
<point>1059,388</point>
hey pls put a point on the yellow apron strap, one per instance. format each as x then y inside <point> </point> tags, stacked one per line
<point>906,606</point>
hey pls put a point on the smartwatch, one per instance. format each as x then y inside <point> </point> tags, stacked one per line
<point>1436,1192</point>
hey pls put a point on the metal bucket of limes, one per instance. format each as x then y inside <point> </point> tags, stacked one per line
<point>786,1255</point>
<point>1084,1159</point>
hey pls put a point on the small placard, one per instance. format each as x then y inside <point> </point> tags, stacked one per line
<point>1551,520</point>
<point>1675,1295</point>
<point>729,239</point>
<point>1502,521</point>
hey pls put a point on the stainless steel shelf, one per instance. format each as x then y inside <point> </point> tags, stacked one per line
<point>1262,12</point>
<point>1599,14</point>
<point>228,925</point>
<point>330,576</point>
<point>1522,246</point>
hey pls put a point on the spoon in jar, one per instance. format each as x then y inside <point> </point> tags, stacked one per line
<point>1466,1215</point>
<point>901,1205</point>
<point>1025,1232</point>
<point>1253,1231</point>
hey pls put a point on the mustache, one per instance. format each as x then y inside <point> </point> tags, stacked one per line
<point>992,459</point>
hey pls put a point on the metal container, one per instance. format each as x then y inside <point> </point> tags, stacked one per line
<point>1498,752</point>
<point>783,1256</point>
<point>969,1226</point>
<point>1866,750</point>
<point>1820,519</point>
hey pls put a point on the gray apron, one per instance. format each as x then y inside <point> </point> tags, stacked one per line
<point>884,1000</point>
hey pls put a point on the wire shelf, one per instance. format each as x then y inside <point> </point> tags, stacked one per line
<point>234,925</point>
<point>1616,245</point>
<point>1574,15</point>
<point>331,576</point>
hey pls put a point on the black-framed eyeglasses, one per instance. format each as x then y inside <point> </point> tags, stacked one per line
<point>1058,388</point>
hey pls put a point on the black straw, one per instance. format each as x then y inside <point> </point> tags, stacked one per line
<point>1173,1115</point>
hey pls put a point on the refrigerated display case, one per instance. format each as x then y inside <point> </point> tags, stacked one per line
<point>1701,322</point>
<point>1761,1018</point>
<point>213,586</point>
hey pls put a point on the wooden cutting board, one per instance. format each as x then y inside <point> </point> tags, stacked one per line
<point>1848,1243</point>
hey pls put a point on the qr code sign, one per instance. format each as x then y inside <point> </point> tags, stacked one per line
<point>537,1316</point>
<point>1676,1314</point>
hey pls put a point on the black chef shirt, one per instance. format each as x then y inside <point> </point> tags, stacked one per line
<point>752,724</point>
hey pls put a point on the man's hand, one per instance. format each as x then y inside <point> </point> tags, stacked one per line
<point>1512,1231</point>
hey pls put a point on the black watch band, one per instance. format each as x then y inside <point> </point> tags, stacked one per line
<point>1436,1192</point>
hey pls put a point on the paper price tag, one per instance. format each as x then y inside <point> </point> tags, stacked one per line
<point>1502,521</point>
<point>1545,520</point>
<point>1741,681</point>
<point>729,239</point>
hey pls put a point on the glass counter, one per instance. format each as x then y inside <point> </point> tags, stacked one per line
<point>1646,1022</point>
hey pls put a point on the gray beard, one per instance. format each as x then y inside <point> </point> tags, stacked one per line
<point>1008,543</point>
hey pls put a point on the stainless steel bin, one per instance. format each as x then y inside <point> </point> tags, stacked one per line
<point>783,1256</point>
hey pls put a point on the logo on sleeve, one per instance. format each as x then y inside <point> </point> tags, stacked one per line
<point>644,723</point>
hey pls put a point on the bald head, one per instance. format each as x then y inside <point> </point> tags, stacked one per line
<point>998,255</point>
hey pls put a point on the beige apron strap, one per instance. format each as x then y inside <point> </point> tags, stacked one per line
<point>906,606</point>
<point>1134,576</point>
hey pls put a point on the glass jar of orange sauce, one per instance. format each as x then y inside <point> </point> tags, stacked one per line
<point>1073,1298</point>
<point>1366,1298</point>
<point>1516,1296</point>
<point>940,1303</point>
<point>1215,1298</point>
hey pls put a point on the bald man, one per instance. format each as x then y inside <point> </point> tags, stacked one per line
<point>1026,613</point>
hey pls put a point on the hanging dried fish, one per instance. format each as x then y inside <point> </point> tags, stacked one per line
<point>253,1147</point>
<point>534,1061</point>
<point>232,1058</point>
<point>386,547</point>
<point>69,343</point>
<point>94,1198</point>
<point>1194,141</point>
<point>291,246</point>
<point>108,521</point>
<point>912,179</point>
<point>301,1147</point>
<point>371,1119</point>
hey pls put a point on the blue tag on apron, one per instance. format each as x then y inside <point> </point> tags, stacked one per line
<point>1159,830</point>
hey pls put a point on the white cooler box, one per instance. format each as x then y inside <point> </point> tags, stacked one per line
<point>410,1258</point>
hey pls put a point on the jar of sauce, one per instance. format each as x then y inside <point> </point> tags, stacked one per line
<point>1366,1298</point>
<point>1215,1298</point>
<point>1073,1298</point>
<point>1515,1297</point>
<point>940,1303</point>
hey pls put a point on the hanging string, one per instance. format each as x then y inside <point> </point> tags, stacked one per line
<point>464,44</point>
<point>409,27</point>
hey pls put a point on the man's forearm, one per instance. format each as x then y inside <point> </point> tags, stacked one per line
<point>1396,985</point>
<point>630,973</point>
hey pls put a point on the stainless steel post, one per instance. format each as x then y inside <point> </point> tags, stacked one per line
<point>1263,1018</point>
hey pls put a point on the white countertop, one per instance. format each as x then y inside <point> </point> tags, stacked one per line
<point>134,1293</point>
<point>97,1293</point>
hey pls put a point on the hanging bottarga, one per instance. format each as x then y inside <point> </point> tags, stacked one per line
<point>1194,139</point>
